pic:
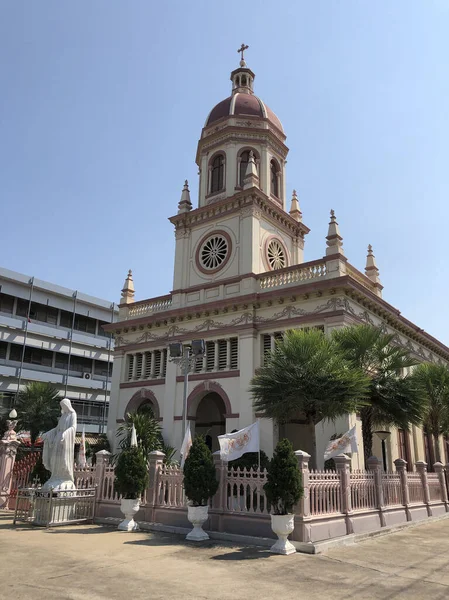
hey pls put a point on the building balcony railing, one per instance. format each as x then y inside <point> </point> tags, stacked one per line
<point>322,269</point>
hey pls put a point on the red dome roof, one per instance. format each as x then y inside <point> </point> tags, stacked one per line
<point>242,104</point>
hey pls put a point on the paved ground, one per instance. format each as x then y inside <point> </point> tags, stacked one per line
<point>98,563</point>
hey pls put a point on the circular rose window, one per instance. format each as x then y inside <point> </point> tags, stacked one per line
<point>214,252</point>
<point>276,255</point>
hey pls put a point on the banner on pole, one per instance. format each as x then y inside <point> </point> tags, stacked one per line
<point>82,452</point>
<point>346,443</point>
<point>186,445</point>
<point>234,445</point>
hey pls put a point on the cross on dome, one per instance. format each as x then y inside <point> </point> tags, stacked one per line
<point>242,50</point>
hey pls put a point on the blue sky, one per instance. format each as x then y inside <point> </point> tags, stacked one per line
<point>103,102</point>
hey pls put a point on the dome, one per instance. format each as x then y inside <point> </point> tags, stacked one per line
<point>244,105</point>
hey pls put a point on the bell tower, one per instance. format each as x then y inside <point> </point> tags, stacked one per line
<point>241,225</point>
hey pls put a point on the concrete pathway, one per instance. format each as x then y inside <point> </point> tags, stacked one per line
<point>99,563</point>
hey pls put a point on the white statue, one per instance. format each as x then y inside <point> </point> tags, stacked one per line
<point>59,448</point>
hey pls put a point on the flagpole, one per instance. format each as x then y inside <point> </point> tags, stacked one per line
<point>258,427</point>
<point>71,343</point>
<point>31,282</point>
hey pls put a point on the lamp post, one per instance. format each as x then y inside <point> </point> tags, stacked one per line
<point>186,356</point>
<point>383,435</point>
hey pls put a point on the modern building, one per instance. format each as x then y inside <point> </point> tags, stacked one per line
<point>53,334</point>
<point>239,282</point>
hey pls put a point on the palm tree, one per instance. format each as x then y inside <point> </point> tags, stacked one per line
<point>433,381</point>
<point>149,434</point>
<point>394,399</point>
<point>307,375</point>
<point>38,408</point>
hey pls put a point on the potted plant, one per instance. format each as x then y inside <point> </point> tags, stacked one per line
<point>200,484</point>
<point>283,489</point>
<point>131,479</point>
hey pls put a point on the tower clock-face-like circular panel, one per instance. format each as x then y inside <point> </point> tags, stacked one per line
<point>276,255</point>
<point>213,252</point>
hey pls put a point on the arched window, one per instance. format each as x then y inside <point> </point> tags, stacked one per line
<point>274,188</point>
<point>244,160</point>
<point>217,174</point>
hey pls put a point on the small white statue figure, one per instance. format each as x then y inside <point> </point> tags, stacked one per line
<point>59,449</point>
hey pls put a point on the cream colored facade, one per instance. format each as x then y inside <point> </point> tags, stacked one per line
<point>240,281</point>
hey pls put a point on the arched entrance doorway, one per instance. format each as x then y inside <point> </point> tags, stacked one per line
<point>142,401</point>
<point>210,420</point>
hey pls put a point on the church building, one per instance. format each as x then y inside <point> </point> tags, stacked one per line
<point>239,282</point>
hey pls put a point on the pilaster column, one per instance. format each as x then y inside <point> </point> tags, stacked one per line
<point>216,355</point>
<point>8,451</point>
<point>421,467</point>
<point>152,364</point>
<point>219,501</point>
<point>228,354</point>
<point>134,373</point>
<point>144,364</point>
<point>342,463</point>
<point>439,470</point>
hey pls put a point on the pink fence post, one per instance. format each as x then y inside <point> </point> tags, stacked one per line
<point>8,451</point>
<point>374,464</point>
<point>155,463</point>
<point>439,470</point>
<point>303,507</point>
<point>220,500</point>
<point>401,469</point>
<point>102,461</point>
<point>342,463</point>
<point>421,467</point>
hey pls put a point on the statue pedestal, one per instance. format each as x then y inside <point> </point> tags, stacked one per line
<point>53,508</point>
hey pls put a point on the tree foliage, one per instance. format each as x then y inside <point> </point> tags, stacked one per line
<point>200,482</point>
<point>433,382</point>
<point>37,408</point>
<point>284,486</point>
<point>393,399</point>
<point>307,374</point>
<point>131,473</point>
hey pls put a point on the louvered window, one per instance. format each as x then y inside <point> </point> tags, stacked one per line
<point>234,353</point>
<point>139,358</point>
<point>157,363</point>
<point>164,363</point>
<point>148,360</point>
<point>198,366</point>
<point>266,346</point>
<point>130,366</point>
<point>210,356</point>
<point>222,354</point>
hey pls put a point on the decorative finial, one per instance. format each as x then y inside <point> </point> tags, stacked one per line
<point>128,289</point>
<point>372,272</point>
<point>185,203</point>
<point>242,50</point>
<point>295,211</point>
<point>251,178</point>
<point>334,239</point>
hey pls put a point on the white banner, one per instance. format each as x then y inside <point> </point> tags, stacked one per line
<point>347,443</point>
<point>133,443</point>
<point>234,445</point>
<point>82,452</point>
<point>186,445</point>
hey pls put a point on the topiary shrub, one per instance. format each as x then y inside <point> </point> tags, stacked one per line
<point>284,486</point>
<point>200,481</point>
<point>131,474</point>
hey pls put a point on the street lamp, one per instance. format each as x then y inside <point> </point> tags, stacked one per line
<point>186,356</point>
<point>383,435</point>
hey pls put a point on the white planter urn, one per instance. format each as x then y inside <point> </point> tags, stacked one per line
<point>197,515</point>
<point>129,508</point>
<point>283,525</point>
